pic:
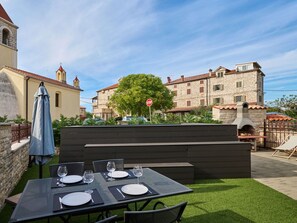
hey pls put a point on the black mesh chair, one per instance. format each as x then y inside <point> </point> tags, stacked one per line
<point>111,219</point>
<point>100,165</point>
<point>73,168</point>
<point>165,215</point>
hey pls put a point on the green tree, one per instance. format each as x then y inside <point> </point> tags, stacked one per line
<point>133,91</point>
<point>286,104</point>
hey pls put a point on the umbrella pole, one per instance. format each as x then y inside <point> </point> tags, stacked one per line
<point>40,170</point>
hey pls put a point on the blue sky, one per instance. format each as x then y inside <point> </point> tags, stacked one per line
<point>101,41</point>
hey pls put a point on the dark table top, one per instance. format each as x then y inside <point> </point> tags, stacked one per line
<point>38,196</point>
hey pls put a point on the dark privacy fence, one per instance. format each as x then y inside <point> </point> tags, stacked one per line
<point>214,150</point>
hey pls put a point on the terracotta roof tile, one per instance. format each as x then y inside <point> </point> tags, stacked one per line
<point>234,107</point>
<point>278,117</point>
<point>61,68</point>
<point>191,78</point>
<point>110,87</point>
<point>41,78</point>
<point>206,76</point>
<point>4,15</point>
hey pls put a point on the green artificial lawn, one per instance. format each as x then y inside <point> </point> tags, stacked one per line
<point>212,201</point>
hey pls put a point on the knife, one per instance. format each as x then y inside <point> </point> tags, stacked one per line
<point>61,205</point>
<point>121,192</point>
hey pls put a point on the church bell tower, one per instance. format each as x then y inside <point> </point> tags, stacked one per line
<point>8,40</point>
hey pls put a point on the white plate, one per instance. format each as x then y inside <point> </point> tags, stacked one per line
<point>134,189</point>
<point>118,174</point>
<point>76,199</point>
<point>71,179</point>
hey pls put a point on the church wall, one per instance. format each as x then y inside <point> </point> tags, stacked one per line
<point>18,84</point>
<point>8,56</point>
<point>70,100</point>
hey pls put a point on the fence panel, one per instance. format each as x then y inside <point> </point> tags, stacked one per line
<point>278,131</point>
<point>20,131</point>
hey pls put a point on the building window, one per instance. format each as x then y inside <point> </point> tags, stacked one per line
<point>188,91</point>
<point>201,90</point>
<point>239,98</point>
<point>5,36</point>
<point>58,99</point>
<point>218,100</point>
<point>188,103</point>
<point>245,67</point>
<point>260,98</point>
<point>188,84</point>
<point>174,104</point>
<point>202,102</point>
<point>238,84</point>
<point>220,74</point>
<point>218,87</point>
<point>175,93</point>
<point>175,86</point>
<point>201,82</point>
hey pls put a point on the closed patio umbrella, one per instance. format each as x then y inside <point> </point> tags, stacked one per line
<point>42,137</point>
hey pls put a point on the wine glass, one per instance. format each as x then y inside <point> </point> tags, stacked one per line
<point>88,178</point>
<point>138,172</point>
<point>62,172</point>
<point>111,167</point>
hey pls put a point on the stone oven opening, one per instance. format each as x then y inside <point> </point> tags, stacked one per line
<point>246,130</point>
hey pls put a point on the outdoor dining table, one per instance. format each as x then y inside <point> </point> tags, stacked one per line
<point>39,198</point>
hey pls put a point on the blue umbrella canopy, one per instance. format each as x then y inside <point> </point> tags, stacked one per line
<point>42,138</point>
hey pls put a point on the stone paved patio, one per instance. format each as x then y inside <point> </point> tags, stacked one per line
<point>277,173</point>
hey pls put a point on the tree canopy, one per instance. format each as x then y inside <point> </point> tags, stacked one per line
<point>286,104</point>
<point>133,91</point>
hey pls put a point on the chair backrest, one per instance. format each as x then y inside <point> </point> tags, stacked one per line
<point>73,168</point>
<point>108,220</point>
<point>291,143</point>
<point>100,165</point>
<point>165,215</point>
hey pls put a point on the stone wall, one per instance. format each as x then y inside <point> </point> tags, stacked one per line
<point>13,161</point>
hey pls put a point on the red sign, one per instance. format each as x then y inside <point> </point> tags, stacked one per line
<point>149,102</point>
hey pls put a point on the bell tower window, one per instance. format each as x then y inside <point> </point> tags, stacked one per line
<point>5,36</point>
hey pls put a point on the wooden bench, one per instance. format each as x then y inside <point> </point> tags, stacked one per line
<point>181,172</point>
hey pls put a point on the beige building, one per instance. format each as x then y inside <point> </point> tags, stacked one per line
<point>219,87</point>
<point>8,40</point>
<point>100,103</point>
<point>64,98</point>
<point>222,86</point>
<point>18,86</point>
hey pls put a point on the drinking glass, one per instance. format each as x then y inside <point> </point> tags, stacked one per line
<point>88,178</point>
<point>138,172</point>
<point>111,167</point>
<point>62,172</point>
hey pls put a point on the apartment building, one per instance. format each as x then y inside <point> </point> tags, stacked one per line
<point>100,103</point>
<point>219,87</point>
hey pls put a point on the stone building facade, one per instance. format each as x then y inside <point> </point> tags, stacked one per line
<point>219,87</point>
<point>13,161</point>
<point>100,103</point>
